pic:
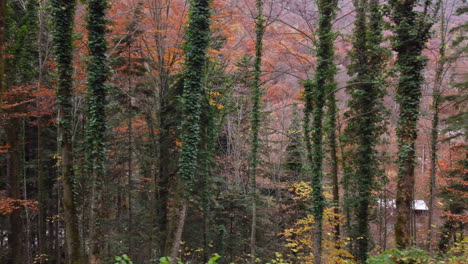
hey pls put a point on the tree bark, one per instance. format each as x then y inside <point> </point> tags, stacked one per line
<point>256,100</point>
<point>181,215</point>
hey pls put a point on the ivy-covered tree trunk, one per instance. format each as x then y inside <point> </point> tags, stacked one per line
<point>315,95</point>
<point>255,119</point>
<point>411,33</point>
<point>366,120</point>
<point>196,44</point>
<point>63,12</point>
<point>96,125</point>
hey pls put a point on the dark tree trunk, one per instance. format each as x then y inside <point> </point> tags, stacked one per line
<point>16,237</point>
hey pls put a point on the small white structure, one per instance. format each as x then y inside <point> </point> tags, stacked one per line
<point>419,206</point>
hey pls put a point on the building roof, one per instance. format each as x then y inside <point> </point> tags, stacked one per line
<point>419,205</point>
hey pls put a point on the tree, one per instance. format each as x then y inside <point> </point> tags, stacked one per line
<point>63,15</point>
<point>314,94</point>
<point>196,44</point>
<point>96,124</point>
<point>256,99</point>
<point>454,194</point>
<point>437,99</point>
<point>20,66</point>
<point>366,120</point>
<point>412,30</point>
<point>331,132</point>
<point>454,197</point>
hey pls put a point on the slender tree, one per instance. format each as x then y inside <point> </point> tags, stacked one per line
<point>96,124</point>
<point>366,117</point>
<point>331,130</point>
<point>196,44</point>
<point>315,95</point>
<point>63,14</point>
<point>454,194</point>
<point>412,30</point>
<point>255,119</point>
<point>436,101</point>
<point>166,121</point>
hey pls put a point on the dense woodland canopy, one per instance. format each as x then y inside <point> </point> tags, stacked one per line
<point>223,131</point>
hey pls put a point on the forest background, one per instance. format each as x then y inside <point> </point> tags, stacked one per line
<point>256,130</point>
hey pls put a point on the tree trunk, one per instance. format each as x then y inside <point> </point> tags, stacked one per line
<point>167,131</point>
<point>196,44</point>
<point>41,194</point>
<point>96,125</point>
<point>405,194</point>
<point>323,83</point>
<point>63,12</point>
<point>130,154</point>
<point>412,32</point>
<point>167,170</point>
<point>331,127</point>
<point>345,181</point>
<point>256,100</point>
<point>436,100</point>
<point>16,237</point>
<point>181,214</point>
